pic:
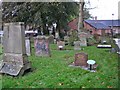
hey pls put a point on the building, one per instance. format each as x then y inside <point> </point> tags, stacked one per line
<point>97,26</point>
<point>100,26</point>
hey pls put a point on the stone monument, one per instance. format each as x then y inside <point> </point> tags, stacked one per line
<point>41,44</point>
<point>82,38</point>
<point>77,45</point>
<point>15,61</point>
<point>27,44</point>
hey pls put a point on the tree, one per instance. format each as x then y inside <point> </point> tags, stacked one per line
<point>42,14</point>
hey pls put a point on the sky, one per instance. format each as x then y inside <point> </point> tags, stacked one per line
<point>104,9</point>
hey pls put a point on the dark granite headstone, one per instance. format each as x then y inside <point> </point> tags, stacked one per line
<point>15,60</point>
<point>41,45</point>
<point>81,59</point>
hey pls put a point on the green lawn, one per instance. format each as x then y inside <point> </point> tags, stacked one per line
<point>54,72</point>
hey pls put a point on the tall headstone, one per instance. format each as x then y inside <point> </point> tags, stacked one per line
<point>81,59</point>
<point>41,45</point>
<point>27,44</point>
<point>15,60</point>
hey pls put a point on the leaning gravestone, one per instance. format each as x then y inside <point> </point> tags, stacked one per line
<point>41,45</point>
<point>27,43</point>
<point>81,59</point>
<point>77,45</point>
<point>60,45</point>
<point>15,60</point>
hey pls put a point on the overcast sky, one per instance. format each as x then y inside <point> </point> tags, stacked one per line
<point>104,9</point>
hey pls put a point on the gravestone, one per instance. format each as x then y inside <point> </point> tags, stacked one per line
<point>117,49</point>
<point>27,43</point>
<point>1,39</point>
<point>15,60</point>
<point>77,45</point>
<point>81,59</point>
<point>60,45</point>
<point>66,40</point>
<point>82,38</point>
<point>41,45</point>
<point>51,39</point>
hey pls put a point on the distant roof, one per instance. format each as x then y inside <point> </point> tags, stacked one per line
<point>105,22</point>
<point>73,24</point>
<point>98,24</point>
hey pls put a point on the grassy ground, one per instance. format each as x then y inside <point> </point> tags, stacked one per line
<point>54,72</point>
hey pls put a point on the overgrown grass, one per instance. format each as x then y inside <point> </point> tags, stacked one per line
<point>54,72</point>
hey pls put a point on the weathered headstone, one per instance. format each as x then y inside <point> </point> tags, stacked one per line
<point>77,45</point>
<point>60,45</point>
<point>27,43</point>
<point>81,59</point>
<point>15,60</point>
<point>41,45</point>
<point>82,38</point>
<point>51,39</point>
<point>66,39</point>
<point>1,39</point>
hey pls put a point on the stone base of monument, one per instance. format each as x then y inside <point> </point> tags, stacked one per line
<point>84,67</point>
<point>14,64</point>
<point>81,60</point>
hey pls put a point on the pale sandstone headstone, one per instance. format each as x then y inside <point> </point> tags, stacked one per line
<point>27,43</point>
<point>15,60</point>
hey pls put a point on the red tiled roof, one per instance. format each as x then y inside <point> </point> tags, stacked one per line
<point>73,24</point>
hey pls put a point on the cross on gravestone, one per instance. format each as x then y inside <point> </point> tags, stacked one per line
<point>27,44</point>
<point>60,45</point>
<point>15,60</point>
<point>81,59</point>
<point>77,45</point>
<point>41,45</point>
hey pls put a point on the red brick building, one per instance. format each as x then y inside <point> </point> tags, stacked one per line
<point>97,26</point>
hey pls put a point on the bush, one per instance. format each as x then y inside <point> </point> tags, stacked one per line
<point>91,41</point>
<point>73,37</point>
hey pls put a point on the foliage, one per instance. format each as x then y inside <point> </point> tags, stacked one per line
<point>91,41</point>
<point>42,14</point>
<point>73,37</point>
